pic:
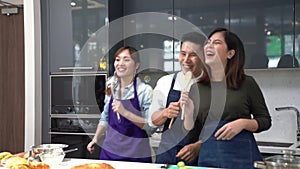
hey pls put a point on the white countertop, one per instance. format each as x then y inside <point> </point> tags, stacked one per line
<point>70,162</point>
<point>279,150</point>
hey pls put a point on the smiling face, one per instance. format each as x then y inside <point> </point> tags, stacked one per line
<point>216,51</point>
<point>189,59</point>
<point>125,66</point>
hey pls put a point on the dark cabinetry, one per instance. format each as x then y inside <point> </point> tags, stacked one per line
<point>268,29</point>
<point>71,26</point>
<point>60,34</point>
<point>75,68</point>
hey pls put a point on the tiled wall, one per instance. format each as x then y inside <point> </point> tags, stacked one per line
<point>280,88</point>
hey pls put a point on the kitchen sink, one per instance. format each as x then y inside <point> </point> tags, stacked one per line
<point>274,144</point>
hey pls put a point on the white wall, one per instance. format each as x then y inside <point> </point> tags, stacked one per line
<point>280,88</point>
<point>33,99</point>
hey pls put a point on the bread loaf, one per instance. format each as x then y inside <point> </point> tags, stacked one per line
<point>93,166</point>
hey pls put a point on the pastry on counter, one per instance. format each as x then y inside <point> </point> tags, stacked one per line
<point>20,166</point>
<point>38,165</point>
<point>4,154</point>
<point>10,161</point>
<point>93,166</point>
<point>18,161</point>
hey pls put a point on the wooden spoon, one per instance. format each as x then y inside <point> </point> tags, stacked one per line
<point>187,80</point>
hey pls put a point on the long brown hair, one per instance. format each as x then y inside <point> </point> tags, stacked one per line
<point>133,54</point>
<point>234,70</point>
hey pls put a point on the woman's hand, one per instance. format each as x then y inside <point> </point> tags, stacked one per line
<point>188,104</point>
<point>187,111</point>
<point>91,146</point>
<point>229,130</point>
<point>118,107</point>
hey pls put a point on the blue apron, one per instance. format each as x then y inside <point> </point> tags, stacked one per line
<point>124,140</point>
<point>239,152</point>
<point>173,139</point>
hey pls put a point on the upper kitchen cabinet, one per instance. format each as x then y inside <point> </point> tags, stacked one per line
<point>150,32</point>
<point>206,15</point>
<point>269,29</point>
<point>70,30</point>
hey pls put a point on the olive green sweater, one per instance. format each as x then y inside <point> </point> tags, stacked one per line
<point>216,102</point>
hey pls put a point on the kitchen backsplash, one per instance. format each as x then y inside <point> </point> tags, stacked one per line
<point>280,88</point>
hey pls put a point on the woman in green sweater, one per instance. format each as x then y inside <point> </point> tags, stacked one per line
<point>230,106</point>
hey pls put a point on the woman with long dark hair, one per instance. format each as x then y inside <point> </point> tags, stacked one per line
<point>231,106</point>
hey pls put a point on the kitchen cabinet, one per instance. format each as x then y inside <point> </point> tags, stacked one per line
<point>60,34</point>
<point>272,23</point>
<point>151,45</point>
<point>266,29</point>
<point>69,47</point>
<point>269,30</point>
<point>269,34</point>
<point>71,25</point>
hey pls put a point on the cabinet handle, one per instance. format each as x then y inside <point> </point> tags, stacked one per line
<point>75,134</point>
<point>75,68</point>
<point>91,116</point>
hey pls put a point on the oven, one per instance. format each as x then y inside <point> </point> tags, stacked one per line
<point>76,103</point>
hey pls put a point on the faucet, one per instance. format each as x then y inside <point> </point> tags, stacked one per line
<point>298,117</point>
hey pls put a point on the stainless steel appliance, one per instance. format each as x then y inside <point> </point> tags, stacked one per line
<point>76,103</point>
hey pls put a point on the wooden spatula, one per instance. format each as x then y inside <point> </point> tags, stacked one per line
<point>187,80</point>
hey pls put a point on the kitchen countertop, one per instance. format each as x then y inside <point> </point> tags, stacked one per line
<point>278,148</point>
<point>70,162</point>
